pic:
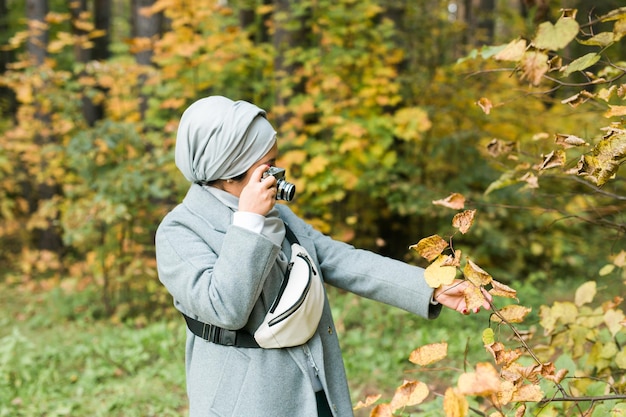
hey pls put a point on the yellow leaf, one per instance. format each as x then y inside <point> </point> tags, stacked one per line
<point>408,394</point>
<point>428,354</point>
<point>614,320</point>
<point>463,221</point>
<point>512,313</point>
<point>430,247</point>
<point>454,201</point>
<point>483,382</point>
<point>585,293</point>
<point>513,51</point>
<point>476,275</point>
<point>455,404</point>
<point>437,274</point>
<point>615,111</point>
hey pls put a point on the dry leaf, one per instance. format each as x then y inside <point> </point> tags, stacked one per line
<point>369,400</point>
<point>512,313</point>
<point>528,393</point>
<point>408,394</point>
<point>485,105</point>
<point>474,297</point>
<point>430,247</point>
<point>501,290</point>
<point>484,381</point>
<point>463,221</point>
<point>454,201</point>
<point>382,410</point>
<point>428,354</point>
<point>569,141</point>
<point>498,147</point>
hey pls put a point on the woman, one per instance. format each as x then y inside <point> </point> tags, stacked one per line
<point>222,254</point>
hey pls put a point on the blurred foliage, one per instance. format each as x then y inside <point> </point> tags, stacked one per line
<point>377,117</point>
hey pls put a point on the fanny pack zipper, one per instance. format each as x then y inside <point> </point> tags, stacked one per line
<point>300,300</point>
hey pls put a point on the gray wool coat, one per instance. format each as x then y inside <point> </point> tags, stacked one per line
<point>227,276</point>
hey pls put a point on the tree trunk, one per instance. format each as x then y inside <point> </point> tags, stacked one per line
<point>36,11</point>
<point>144,27</point>
<point>102,21</point>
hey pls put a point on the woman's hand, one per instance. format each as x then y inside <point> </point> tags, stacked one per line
<point>452,296</point>
<point>259,194</point>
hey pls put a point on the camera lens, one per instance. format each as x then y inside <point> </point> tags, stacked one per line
<point>285,190</point>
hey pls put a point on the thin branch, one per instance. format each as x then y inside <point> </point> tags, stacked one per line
<point>583,398</point>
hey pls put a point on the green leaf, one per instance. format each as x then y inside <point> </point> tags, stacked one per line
<point>581,63</point>
<point>602,39</point>
<point>557,36</point>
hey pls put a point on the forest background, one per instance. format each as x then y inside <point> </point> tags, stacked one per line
<point>392,116</point>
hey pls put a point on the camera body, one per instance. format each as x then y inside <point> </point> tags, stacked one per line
<point>284,189</point>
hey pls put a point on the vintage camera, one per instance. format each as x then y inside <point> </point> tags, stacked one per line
<point>285,190</point>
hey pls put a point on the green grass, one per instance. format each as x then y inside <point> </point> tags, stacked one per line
<point>55,360</point>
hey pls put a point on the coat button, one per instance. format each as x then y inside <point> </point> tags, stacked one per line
<point>330,330</point>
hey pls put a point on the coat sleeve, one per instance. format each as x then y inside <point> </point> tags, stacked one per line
<point>219,289</point>
<point>368,274</point>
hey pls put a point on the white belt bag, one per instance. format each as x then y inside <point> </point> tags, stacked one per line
<point>296,312</point>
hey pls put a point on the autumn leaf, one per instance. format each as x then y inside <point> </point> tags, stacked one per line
<point>454,201</point>
<point>534,65</point>
<point>528,393</point>
<point>428,354</point>
<point>585,293</point>
<point>430,247</point>
<point>408,394</point>
<point>512,314</point>
<point>605,158</point>
<point>501,290</point>
<point>569,141</point>
<point>382,410</point>
<point>476,275</point>
<point>513,51</point>
<point>474,297</point>
<point>483,382</point>
<point>455,404</point>
<point>437,274</point>
<point>369,400</point>
<point>614,320</point>
<point>501,355</point>
<point>485,105</point>
<point>554,159</point>
<point>453,260</point>
<point>463,221</point>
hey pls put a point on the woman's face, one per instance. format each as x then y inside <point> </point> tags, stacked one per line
<point>269,158</point>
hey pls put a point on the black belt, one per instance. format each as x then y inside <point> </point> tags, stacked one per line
<point>220,336</point>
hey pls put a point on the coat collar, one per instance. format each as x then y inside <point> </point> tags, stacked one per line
<point>210,209</point>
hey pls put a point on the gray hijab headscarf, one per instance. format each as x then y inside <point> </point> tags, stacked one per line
<point>219,138</point>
